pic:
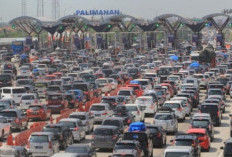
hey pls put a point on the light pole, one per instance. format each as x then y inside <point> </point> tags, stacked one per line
<point>67,9</point>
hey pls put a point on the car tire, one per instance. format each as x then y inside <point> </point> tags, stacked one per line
<point>207,150</point>
<point>151,153</point>
<point>2,137</point>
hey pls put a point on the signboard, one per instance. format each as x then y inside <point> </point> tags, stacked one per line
<point>171,38</point>
<point>97,12</point>
<point>28,40</point>
<point>195,38</point>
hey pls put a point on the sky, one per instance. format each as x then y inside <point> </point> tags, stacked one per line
<point>146,9</point>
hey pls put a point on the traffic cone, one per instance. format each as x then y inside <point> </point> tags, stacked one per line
<point>10,140</point>
<point>0,144</point>
<point>106,93</point>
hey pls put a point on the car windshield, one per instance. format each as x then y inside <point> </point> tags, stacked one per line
<point>53,89</point>
<point>200,123</point>
<point>34,108</point>
<point>5,77</point>
<point>68,124</point>
<point>2,103</point>
<point>19,90</point>
<point>8,114</point>
<point>97,108</point>
<point>209,108</point>
<point>81,117</point>
<point>39,139</point>
<point>101,81</point>
<point>125,146</point>
<point>163,116</point>
<point>51,129</point>
<point>177,154</point>
<point>111,122</point>
<point>153,130</point>
<point>173,78</point>
<point>77,149</point>
<point>82,87</point>
<point>103,132</point>
<point>198,76</point>
<point>108,100</point>
<point>172,105</point>
<point>223,80</point>
<point>184,142</point>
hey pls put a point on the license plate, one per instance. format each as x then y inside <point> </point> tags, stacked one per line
<point>38,147</point>
<point>97,115</point>
<point>35,113</point>
<point>28,103</point>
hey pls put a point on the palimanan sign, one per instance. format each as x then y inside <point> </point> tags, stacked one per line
<point>97,12</point>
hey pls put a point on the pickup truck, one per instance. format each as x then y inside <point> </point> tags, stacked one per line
<point>5,128</point>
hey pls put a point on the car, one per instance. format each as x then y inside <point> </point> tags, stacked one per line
<point>143,138</point>
<point>147,104</point>
<point>214,111</point>
<point>5,128</point>
<point>27,100</point>
<point>103,84</point>
<point>14,93</point>
<point>179,151</point>
<point>86,119</point>
<point>6,104</point>
<point>72,100</point>
<point>125,152</point>
<point>28,84</point>
<point>6,80</point>
<point>8,151</point>
<point>128,92</point>
<point>157,134</point>
<point>221,102</point>
<point>61,132</point>
<point>202,136</point>
<point>178,107</point>
<point>227,147</point>
<point>203,80</point>
<point>114,121</point>
<point>166,118</point>
<point>76,126</point>
<point>135,110</point>
<point>81,150</point>
<point>188,140</point>
<point>187,107</point>
<point>100,111</point>
<point>203,120</point>
<point>16,117</point>
<point>42,144</point>
<point>105,137</point>
<point>40,112</point>
<point>126,145</point>
<point>53,89</point>
<point>56,102</point>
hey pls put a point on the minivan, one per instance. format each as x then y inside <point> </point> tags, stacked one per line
<point>13,92</point>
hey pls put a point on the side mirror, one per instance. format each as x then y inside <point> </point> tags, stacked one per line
<point>221,147</point>
<point>171,140</point>
<point>230,115</point>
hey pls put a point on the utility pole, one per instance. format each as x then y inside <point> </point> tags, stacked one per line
<point>40,8</point>
<point>55,9</point>
<point>24,7</point>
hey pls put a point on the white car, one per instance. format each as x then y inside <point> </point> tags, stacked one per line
<point>27,100</point>
<point>103,84</point>
<point>100,111</point>
<point>135,110</point>
<point>113,83</point>
<point>187,107</point>
<point>24,70</point>
<point>177,106</point>
<point>146,104</point>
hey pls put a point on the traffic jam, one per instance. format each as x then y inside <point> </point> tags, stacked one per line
<point>125,104</point>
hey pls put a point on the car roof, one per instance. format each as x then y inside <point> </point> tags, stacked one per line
<point>42,133</point>
<point>70,119</point>
<point>106,127</point>
<point>79,113</point>
<point>178,149</point>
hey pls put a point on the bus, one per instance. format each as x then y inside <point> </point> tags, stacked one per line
<point>17,47</point>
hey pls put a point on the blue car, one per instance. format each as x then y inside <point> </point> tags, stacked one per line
<point>78,93</point>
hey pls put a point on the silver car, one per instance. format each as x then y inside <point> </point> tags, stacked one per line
<point>42,144</point>
<point>76,127</point>
<point>167,120</point>
<point>86,120</point>
<point>187,107</point>
<point>100,112</point>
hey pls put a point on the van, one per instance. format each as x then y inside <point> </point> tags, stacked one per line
<point>179,151</point>
<point>13,93</point>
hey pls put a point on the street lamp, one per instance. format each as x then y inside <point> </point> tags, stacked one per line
<point>67,9</point>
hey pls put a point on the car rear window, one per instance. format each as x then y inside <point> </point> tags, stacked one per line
<point>125,93</point>
<point>8,114</point>
<point>34,108</point>
<point>208,108</point>
<point>6,91</point>
<point>55,97</point>
<point>68,124</point>
<point>38,138</point>
<point>97,108</point>
<point>81,117</point>
<point>200,123</point>
<point>172,105</point>
<point>51,129</point>
<point>41,85</point>
<point>177,154</point>
<point>153,130</point>
<point>185,142</point>
<point>163,116</point>
<point>103,132</point>
<point>132,108</point>
<point>77,149</point>
<point>20,90</point>
<point>28,97</point>
<point>141,137</point>
<point>125,146</point>
<point>111,122</point>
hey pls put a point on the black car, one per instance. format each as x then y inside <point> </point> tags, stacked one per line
<point>214,111</point>
<point>111,100</point>
<point>62,133</point>
<point>121,111</point>
<point>157,134</point>
<point>81,150</point>
<point>227,148</point>
<point>188,140</point>
<point>6,80</point>
<point>114,121</point>
<point>71,98</point>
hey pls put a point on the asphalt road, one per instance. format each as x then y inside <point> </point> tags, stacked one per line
<point>221,134</point>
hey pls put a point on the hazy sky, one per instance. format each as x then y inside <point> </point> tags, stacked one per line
<point>147,9</point>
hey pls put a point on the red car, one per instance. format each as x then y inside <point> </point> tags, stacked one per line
<point>56,102</point>
<point>50,77</point>
<point>203,137</point>
<point>40,112</point>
